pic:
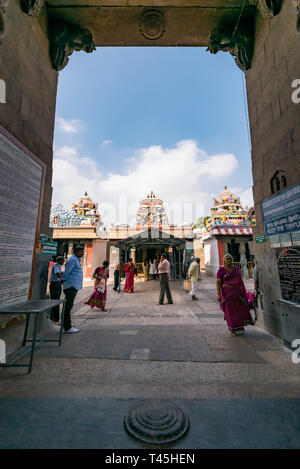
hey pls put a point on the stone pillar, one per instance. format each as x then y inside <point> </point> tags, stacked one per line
<point>132,254</point>
<point>275,132</point>
<point>70,248</point>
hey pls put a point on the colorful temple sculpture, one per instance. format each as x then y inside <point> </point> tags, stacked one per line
<point>228,229</point>
<point>151,213</point>
<point>84,212</point>
<point>151,235</point>
<point>86,208</point>
<point>80,225</point>
<point>228,212</point>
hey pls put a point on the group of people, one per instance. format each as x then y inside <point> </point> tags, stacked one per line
<point>70,281</point>
<point>234,301</point>
<point>161,269</point>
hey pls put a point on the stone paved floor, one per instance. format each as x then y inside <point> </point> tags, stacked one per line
<point>238,392</point>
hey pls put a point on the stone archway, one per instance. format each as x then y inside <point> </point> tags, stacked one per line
<point>37,38</point>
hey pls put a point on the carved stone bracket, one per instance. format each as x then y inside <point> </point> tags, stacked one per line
<point>3,6</point>
<point>64,39</point>
<point>239,45</point>
<point>32,7</point>
<point>268,8</point>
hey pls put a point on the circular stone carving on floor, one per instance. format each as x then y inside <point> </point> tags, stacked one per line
<point>152,24</point>
<point>156,422</point>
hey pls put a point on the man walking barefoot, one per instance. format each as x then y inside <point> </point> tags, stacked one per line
<point>164,272</point>
<point>193,274</point>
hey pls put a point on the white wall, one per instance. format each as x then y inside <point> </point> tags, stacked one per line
<point>98,254</point>
<point>211,255</point>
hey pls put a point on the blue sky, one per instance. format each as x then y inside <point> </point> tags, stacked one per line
<point>120,109</point>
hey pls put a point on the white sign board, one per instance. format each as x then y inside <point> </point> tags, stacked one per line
<point>20,191</point>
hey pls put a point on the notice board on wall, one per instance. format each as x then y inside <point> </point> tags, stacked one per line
<point>22,177</point>
<point>281,212</point>
<point>288,260</point>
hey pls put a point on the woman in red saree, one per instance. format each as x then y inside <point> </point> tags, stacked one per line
<point>233,297</point>
<point>98,297</point>
<point>129,284</point>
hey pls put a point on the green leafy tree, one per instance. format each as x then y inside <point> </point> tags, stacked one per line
<point>201,222</point>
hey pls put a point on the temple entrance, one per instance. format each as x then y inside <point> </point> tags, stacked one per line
<point>149,245</point>
<point>234,250</point>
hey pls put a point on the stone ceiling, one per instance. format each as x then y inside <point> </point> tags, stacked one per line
<point>220,25</point>
<point>150,23</point>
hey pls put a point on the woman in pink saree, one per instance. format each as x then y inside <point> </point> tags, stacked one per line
<point>98,297</point>
<point>233,297</point>
<point>129,269</point>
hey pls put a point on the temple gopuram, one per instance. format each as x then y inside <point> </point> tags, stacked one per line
<point>80,225</point>
<point>151,213</point>
<point>228,212</point>
<point>228,229</point>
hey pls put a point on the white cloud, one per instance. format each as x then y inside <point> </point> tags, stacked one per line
<point>184,177</point>
<point>70,126</point>
<point>106,142</point>
<point>247,198</point>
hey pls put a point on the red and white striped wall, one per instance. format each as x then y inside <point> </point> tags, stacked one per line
<point>231,231</point>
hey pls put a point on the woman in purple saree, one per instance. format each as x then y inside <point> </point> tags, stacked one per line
<point>98,297</point>
<point>233,297</point>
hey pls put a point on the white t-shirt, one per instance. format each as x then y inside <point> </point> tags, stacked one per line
<point>153,268</point>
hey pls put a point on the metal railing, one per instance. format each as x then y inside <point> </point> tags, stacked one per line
<point>140,270</point>
<point>250,266</point>
<point>139,267</point>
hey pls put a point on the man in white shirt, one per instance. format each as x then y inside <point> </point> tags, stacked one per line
<point>164,272</point>
<point>193,274</point>
<point>153,268</point>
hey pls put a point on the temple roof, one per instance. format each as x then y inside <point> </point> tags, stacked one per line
<point>228,211</point>
<point>151,237</point>
<point>84,213</point>
<point>84,202</point>
<point>151,213</point>
<point>226,196</point>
